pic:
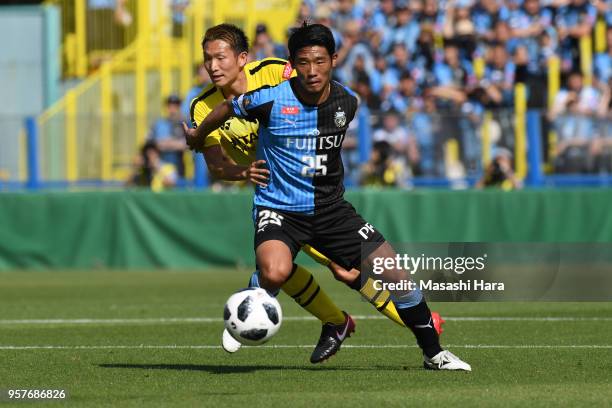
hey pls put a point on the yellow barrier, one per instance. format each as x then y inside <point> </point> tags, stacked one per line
<point>479,67</point>
<point>141,91</point>
<point>600,35</point>
<point>80,37</point>
<point>84,48</point>
<point>165,74</point>
<point>71,136</point>
<point>520,126</point>
<point>101,122</point>
<point>106,117</point>
<point>586,59</point>
<point>486,138</point>
<point>554,84</point>
<point>451,153</point>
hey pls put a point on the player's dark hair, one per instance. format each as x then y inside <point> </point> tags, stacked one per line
<point>311,34</point>
<point>234,36</point>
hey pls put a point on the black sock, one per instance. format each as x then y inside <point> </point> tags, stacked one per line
<point>425,333</point>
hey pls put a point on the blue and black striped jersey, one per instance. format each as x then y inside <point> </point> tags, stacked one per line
<point>300,144</point>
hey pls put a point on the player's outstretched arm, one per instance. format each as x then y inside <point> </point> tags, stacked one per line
<point>195,137</point>
<point>222,167</point>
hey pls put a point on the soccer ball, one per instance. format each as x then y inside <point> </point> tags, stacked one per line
<point>252,316</point>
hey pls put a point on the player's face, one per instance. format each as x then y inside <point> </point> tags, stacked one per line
<point>222,62</point>
<point>314,67</point>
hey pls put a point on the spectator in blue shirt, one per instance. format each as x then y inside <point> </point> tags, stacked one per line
<point>527,25</point>
<point>354,51</point>
<point>399,61</point>
<point>485,14</point>
<point>404,99</point>
<point>432,15</point>
<point>573,115</point>
<point>265,47</point>
<point>452,71</point>
<point>347,10</point>
<point>499,77</point>
<point>425,126</point>
<point>383,16</point>
<point>323,15</point>
<point>377,75</point>
<point>167,133</point>
<point>602,63</point>
<point>460,28</point>
<point>573,22</point>
<point>424,57</point>
<point>407,29</point>
<point>503,35</point>
<point>382,22</point>
<point>604,9</point>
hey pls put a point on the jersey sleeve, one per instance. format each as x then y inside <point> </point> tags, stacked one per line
<point>255,105</point>
<point>282,73</point>
<point>354,99</point>
<point>198,112</point>
<point>271,71</point>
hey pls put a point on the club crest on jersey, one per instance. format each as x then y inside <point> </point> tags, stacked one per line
<point>340,118</point>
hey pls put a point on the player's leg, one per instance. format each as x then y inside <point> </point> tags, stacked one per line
<point>340,233</point>
<point>414,312</point>
<point>276,245</point>
<point>380,299</point>
<point>302,286</point>
<point>275,262</point>
<point>305,290</point>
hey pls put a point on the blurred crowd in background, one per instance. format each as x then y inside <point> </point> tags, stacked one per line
<point>431,71</point>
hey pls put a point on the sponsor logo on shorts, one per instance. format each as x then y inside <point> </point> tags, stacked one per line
<point>366,230</point>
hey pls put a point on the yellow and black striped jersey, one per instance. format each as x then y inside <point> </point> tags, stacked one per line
<point>238,137</point>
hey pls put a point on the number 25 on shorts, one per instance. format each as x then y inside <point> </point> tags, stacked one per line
<point>268,217</point>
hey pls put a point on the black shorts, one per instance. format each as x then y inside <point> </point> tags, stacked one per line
<point>336,231</point>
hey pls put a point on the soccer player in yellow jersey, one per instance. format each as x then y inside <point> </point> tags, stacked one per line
<point>230,155</point>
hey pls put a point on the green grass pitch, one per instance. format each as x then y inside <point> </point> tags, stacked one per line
<point>152,339</point>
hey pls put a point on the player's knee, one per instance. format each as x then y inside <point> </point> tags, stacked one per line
<point>274,273</point>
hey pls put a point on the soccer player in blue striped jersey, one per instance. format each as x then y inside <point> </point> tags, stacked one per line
<point>230,154</point>
<point>302,123</point>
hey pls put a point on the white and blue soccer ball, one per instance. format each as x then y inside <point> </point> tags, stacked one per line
<point>252,316</point>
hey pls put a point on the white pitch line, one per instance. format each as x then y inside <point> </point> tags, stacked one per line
<point>162,320</point>
<point>296,346</point>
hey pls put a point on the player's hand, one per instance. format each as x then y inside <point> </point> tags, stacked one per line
<point>193,142</point>
<point>258,174</point>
